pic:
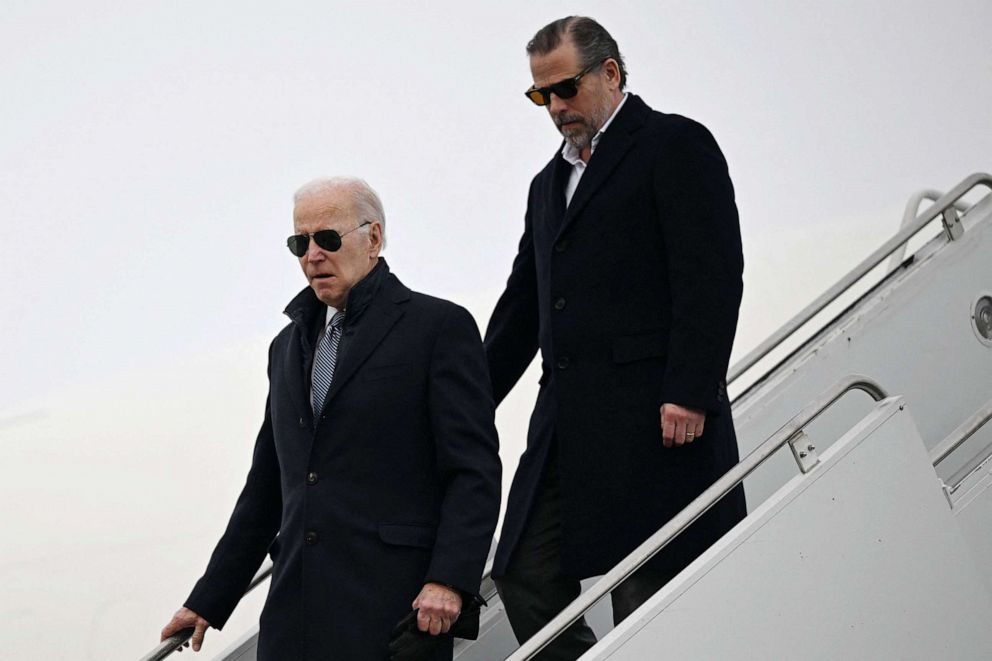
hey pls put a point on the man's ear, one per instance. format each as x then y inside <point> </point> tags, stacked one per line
<point>612,71</point>
<point>375,237</point>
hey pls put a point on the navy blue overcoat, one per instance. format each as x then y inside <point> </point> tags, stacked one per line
<point>395,484</point>
<point>632,295</point>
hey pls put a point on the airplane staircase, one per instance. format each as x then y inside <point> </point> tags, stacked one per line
<point>867,534</point>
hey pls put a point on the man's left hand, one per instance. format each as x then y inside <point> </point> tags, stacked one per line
<point>438,607</point>
<point>680,425</point>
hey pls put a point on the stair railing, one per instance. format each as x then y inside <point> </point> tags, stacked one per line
<point>910,214</point>
<point>944,207</point>
<point>956,439</point>
<point>173,642</point>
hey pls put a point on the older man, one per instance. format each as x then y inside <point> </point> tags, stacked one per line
<point>375,477</point>
<point>628,279</point>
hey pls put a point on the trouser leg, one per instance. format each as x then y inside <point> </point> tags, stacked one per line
<point>533,589</point>
<point>637,589</point>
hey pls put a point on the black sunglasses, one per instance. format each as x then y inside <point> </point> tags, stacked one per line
<point>328,240</point>
<point>563,89</point>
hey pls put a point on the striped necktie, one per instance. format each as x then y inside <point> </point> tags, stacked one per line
<point>324,361</point>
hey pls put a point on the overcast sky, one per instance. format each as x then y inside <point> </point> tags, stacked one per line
<point>149,152</point>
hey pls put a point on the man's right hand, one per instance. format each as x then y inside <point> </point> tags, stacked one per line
<point>680,424</point>
<point>184,619</point>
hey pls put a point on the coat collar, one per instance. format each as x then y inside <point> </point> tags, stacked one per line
<point>374,305</point>
<point>306,310</point>
<point>609,152</point>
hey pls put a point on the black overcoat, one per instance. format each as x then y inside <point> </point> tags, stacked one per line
<point>396,484</point>
<point>632,297</point>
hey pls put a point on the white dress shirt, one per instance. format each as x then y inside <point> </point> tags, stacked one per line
<point>573,156</point>
<point>327,322</point>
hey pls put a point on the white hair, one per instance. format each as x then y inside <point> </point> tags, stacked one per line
<point>365,201</point>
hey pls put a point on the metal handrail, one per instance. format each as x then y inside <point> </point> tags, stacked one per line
<point>677,524</point>
<point>942,205</point>
<point>976,464</point>
<point>172,643</point>
<point>487,587</point>
<point>962,433</point>
<point>910,214</point>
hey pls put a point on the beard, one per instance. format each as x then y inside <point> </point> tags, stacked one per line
<point>580,137</point>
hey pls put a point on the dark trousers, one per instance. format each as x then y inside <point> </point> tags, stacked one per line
<point>534,590</point>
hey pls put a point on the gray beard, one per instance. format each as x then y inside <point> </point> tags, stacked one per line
<point>581,137</point>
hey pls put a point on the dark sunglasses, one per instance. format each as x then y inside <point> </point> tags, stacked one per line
<point>328,240</point>
<point>563,89</point>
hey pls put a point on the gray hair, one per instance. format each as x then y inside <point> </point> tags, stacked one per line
<point>365,201</point>
<point>593,43</point>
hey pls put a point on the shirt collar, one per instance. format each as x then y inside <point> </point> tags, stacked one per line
<point>572,155</point>
<point>331,311</point>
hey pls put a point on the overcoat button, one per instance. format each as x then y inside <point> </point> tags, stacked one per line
<point>561,246</point>
<point>560,303</point>
<point>310,538</point>
<point>303,423</point>
<point>563,363</point>
<point>312,478</point>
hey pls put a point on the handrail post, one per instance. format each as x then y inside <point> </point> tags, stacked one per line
<point>952,223</point>
<point>910,214</point>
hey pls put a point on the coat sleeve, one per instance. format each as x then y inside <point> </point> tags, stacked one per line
<point>250,531</point>
<point>462,416</point>
<point>695,198</point>
<point>511,336</point>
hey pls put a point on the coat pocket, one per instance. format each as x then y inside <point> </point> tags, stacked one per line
<point>408,534</point>
<point>652,344</point>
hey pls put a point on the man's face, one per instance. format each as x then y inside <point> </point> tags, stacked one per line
<point>332,274</point>
<point>579,118</point>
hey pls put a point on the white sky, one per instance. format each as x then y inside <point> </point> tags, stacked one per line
<point>148,154</point>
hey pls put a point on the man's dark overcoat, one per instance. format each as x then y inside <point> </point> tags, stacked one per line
<point>396,484</point>
<point>632,295</point>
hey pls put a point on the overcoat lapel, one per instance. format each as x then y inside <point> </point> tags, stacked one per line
<point>299,353</point>
<point>615,143</point>
<point>382,314</point>
<point>555,192</point>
